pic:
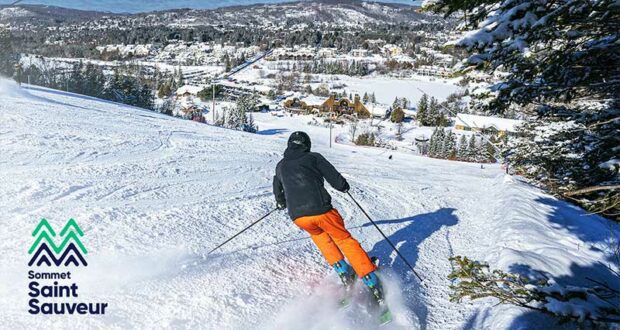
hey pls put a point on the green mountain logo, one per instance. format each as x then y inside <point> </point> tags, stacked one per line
<point>44,250</point>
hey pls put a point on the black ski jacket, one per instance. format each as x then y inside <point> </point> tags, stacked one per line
<point>298,182</point>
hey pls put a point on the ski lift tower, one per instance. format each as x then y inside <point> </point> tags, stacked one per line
<point>421,141</point>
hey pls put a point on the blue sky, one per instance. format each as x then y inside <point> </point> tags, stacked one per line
<point>133,6</point>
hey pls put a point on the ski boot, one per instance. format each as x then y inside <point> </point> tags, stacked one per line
<point>374,285</point>
<point>345,272</point>
<point>382,311</point>
<point>347,276</point>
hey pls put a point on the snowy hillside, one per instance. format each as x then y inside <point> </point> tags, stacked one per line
<point>153,194</point>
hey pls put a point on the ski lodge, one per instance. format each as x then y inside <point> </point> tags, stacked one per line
<point>332,105</point>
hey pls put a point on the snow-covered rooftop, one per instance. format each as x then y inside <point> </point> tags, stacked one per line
<point>189,89</point>
<point>483,122</point>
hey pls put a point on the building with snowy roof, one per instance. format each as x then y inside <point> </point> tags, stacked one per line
<point>189,90</point>
<point>485,124</point>
<point>360,52</point>
<point>330,106</point>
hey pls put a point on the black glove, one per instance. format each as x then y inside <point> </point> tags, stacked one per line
<point>346,187</point>
<point>280,205</point>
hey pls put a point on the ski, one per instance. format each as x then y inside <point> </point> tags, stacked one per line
<point>348,278</point>
<point>384,315</point>
<point>346,301</point>
<point>347,298</point>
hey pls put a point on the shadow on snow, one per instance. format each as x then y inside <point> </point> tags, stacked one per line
<point>598,234</point>
<point>408,239</point>
<point>272,131</point>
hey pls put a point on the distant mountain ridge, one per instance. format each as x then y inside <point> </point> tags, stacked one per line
<point>133,7</point>
<point>317,11</point>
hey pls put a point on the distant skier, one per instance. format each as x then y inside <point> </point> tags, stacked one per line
<point>298,186</point>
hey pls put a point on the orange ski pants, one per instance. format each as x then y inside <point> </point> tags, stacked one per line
<point>333,240</point>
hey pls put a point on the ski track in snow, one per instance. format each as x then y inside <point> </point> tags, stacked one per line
<point>153,194</point>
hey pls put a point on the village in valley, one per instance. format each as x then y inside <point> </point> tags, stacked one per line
<point>425,112</point>
<point>378,75</point>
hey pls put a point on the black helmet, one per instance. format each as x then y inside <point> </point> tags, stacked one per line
<point>301,139</point>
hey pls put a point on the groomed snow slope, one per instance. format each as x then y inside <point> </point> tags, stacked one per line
<point>153,194</point>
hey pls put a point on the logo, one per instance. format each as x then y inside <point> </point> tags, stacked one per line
<point>55,292</point>
<point>69,251</point>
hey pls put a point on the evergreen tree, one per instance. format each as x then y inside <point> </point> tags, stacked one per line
<point>404,102</point>
<point>95,80</point>
<point>373,98</point>
<point>449,146</point>
<point>237,117</point>
<point>220,117</point>
<point>422,114</point>
<point>227,63</point>
<point>433,112</point>
<point>365,98</point>
<point>75,81</point>
<point>145,97</point>
<point>561,63</point>
<point>7,56</point>
<point>206,94</point>
<point>490,152</point>
<point>437,143</point>
<point>396,103</point>
<point>180,78</point>
<point>250,126</point>
<point>128,90</point>
<point>432,143</point>
<point>173,85</point>
<point>462,152</point>
<point>271,94</point>
<point>472,149</point>
<point>167,107</point>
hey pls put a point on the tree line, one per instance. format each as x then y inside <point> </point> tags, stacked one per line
<point>443,144</point>
<point>563,79</point>
<point>89,79</point>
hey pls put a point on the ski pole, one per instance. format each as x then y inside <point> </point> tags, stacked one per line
<point>385,237</point>
<point>244,229</point>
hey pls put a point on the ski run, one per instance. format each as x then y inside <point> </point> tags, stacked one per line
<point>154,193</point>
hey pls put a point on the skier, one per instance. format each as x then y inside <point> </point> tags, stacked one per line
<point>298,186</point>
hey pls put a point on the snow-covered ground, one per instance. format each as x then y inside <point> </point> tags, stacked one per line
<point>386,88</point>
<point>153,194</point>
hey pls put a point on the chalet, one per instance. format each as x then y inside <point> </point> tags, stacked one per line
<point>332,105</point>
<point>485,124</point>
<point>344,106</point>
<point>297,106</point>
